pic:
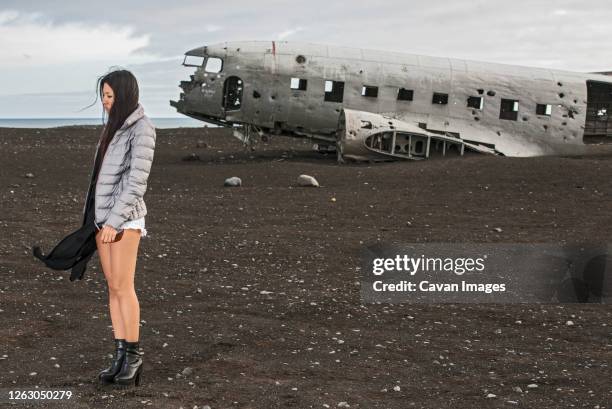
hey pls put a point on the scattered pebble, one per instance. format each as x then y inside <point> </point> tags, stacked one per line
<point>191,157</point>
<point>233,182</point>
<point>306,180</point>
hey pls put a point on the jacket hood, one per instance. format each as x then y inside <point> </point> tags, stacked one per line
<point>133,117</point>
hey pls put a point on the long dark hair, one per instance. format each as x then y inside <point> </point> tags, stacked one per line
<point>125,89</point>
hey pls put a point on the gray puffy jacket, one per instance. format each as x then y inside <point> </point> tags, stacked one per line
<point>122,179</point>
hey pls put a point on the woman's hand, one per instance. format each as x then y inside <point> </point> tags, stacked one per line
<point>108,234</point>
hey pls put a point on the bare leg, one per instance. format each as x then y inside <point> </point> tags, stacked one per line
<point>113,300</point>
<point>123,265</point>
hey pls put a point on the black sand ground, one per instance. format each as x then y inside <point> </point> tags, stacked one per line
<point>255,289</point>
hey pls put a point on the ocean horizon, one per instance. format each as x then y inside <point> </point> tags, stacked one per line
<point>162,123</point>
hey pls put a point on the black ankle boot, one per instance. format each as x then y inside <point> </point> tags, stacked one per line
<point>107,375</point>
<point>131,369</point>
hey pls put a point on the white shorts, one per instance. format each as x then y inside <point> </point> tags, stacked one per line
<point>132,224</point>
<point>135,224</point>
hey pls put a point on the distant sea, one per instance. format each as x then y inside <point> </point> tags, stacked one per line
<point>55,122</point>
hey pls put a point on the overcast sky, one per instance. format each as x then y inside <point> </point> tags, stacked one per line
<point>53,51</point>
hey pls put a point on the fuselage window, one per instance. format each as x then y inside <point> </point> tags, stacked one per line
<point>509,109</point>
<point>439,98</point>
<point>369,91</point>
<point>193,61</point>
<point>334,91</point>
<point>298,84</point>
<point>404,94</point>
<point>544,109</point>
<point>213,65</point>
<point>475,102</point>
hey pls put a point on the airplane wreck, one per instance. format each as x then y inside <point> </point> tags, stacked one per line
<point>379,105</point>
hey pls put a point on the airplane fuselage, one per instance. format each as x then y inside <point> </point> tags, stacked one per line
<point>298,89</point>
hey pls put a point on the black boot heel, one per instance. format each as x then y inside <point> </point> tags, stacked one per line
<point>131,369</point>
<point>107,375</point>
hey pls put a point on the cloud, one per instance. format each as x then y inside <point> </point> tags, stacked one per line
<point>7,16</point>
<point>55,47</point>
<point>211,28</point>
<point>30,39</point>
<point>560,12</point>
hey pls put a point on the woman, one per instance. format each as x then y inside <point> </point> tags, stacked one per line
<point>121,169</point>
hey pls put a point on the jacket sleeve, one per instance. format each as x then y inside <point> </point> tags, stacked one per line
<point>143,147</point>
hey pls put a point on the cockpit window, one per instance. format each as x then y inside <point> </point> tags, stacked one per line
<point>214,65</point>
<point>193,61</point>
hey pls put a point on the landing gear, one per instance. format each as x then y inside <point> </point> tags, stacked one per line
<point>249,135</point>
